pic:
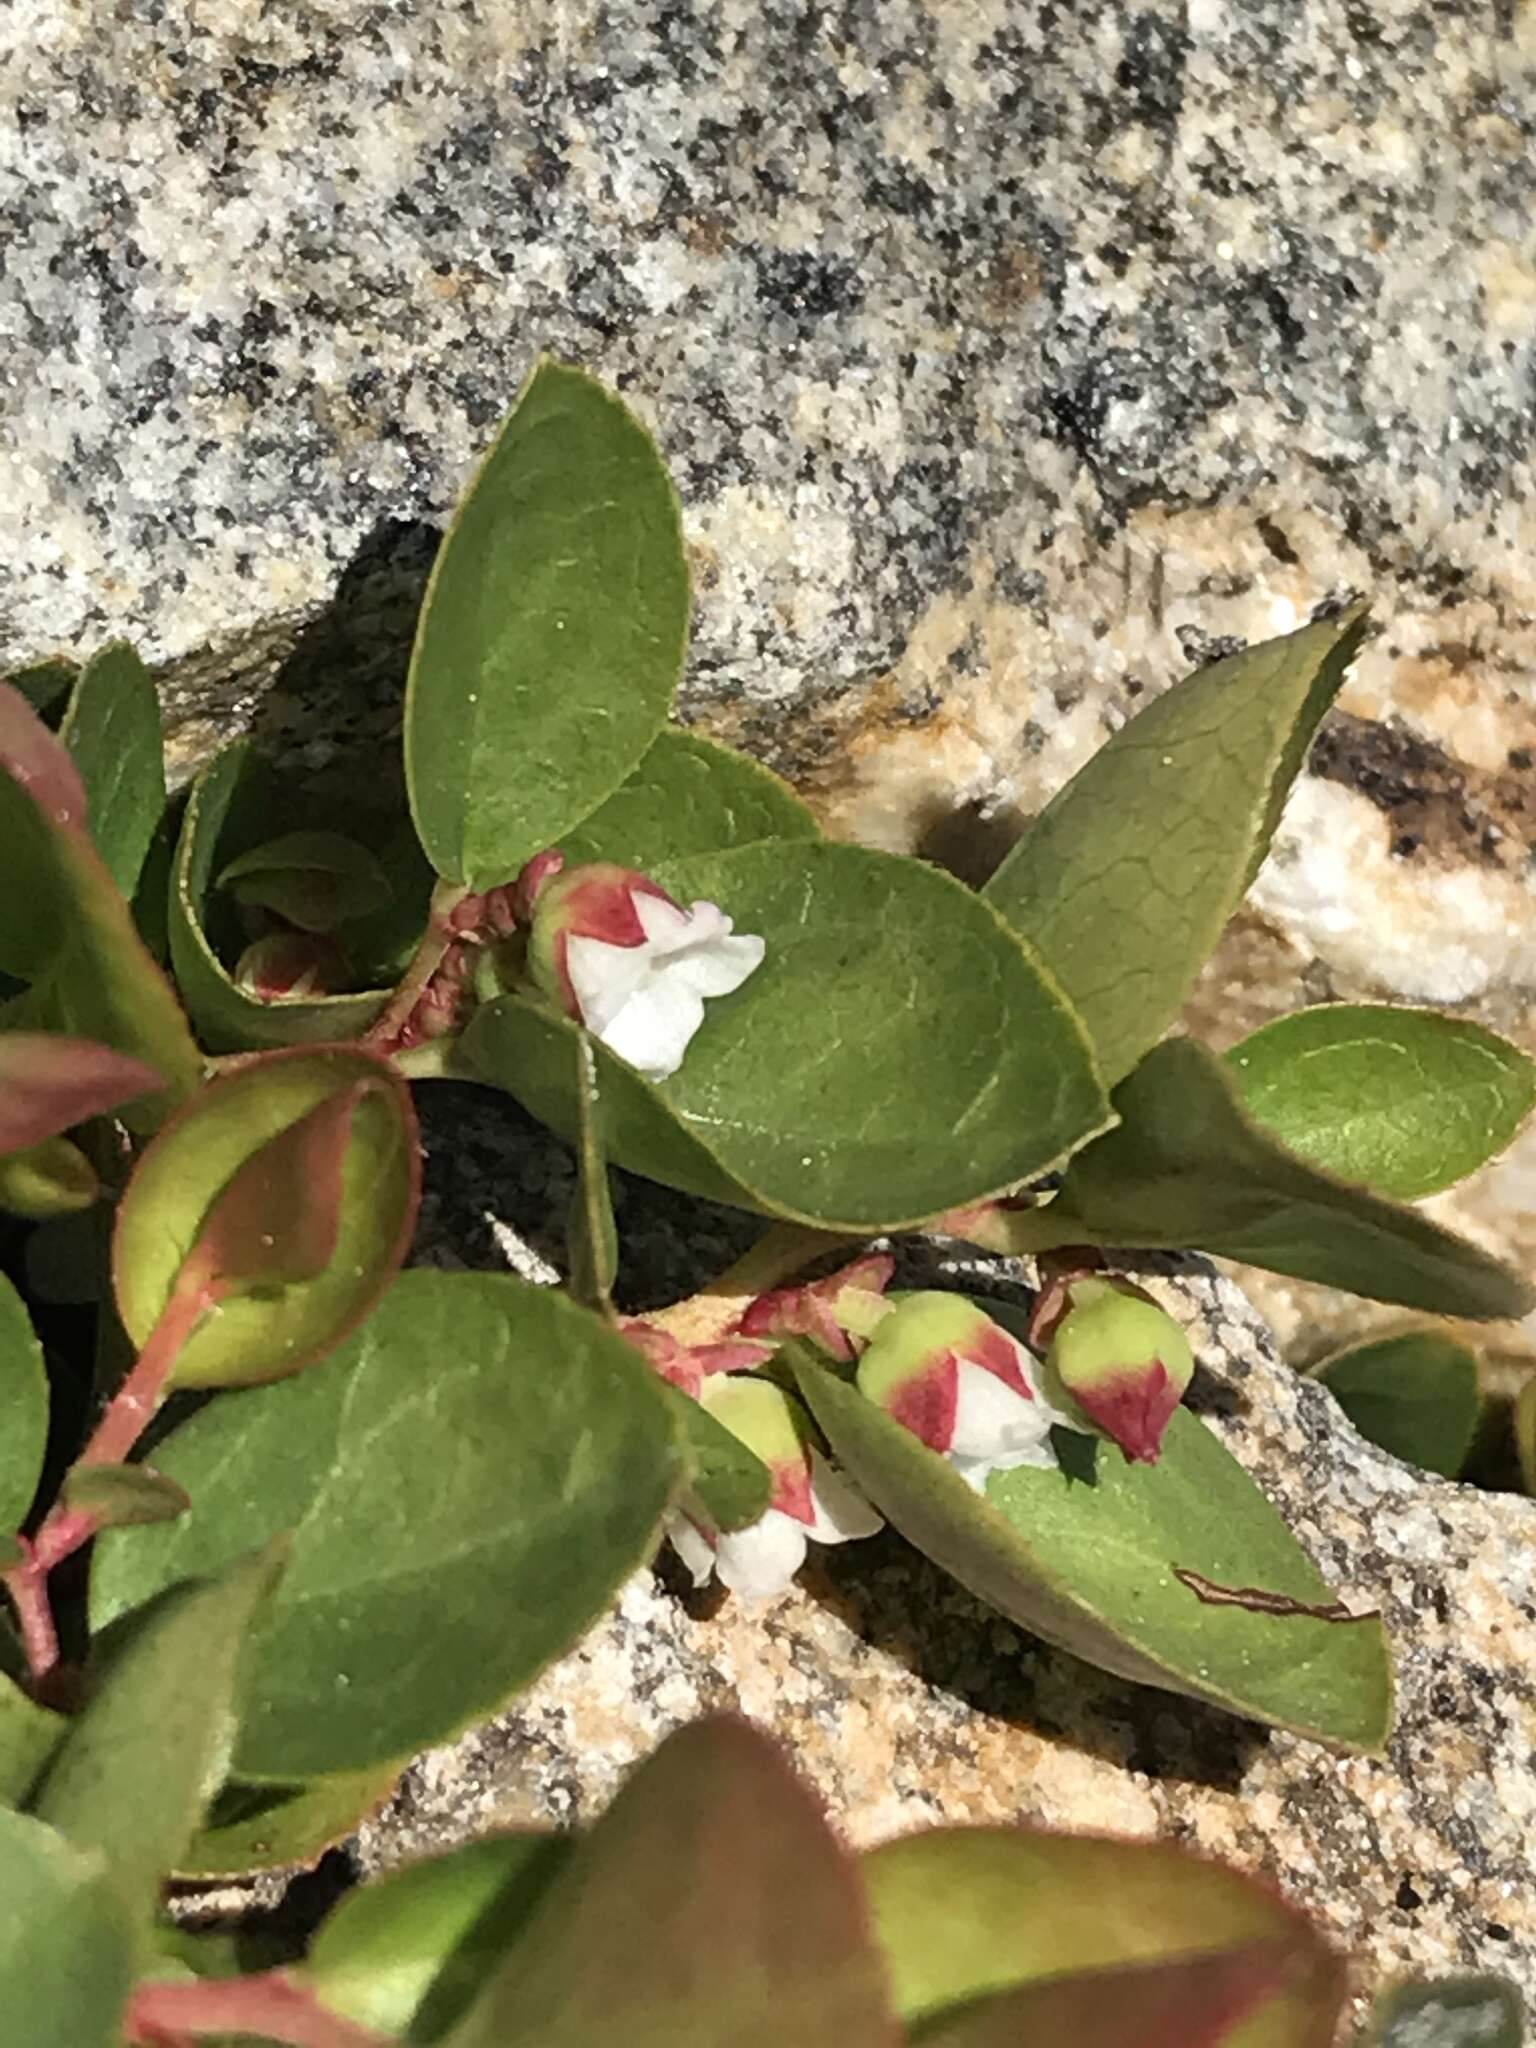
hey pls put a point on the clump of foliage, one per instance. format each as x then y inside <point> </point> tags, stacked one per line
<point>397,1496</point>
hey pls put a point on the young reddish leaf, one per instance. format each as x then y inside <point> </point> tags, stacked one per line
<point>286,1191</point>
<point>73,935</point>
<point>316,880</point>
<point>123,1496</point>
<point>973,1916</point>
<point>711,1903</point>
<point>1183,2002</point>
<point>49,1082</point>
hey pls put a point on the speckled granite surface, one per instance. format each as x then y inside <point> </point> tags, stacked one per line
<point>1011,358</point>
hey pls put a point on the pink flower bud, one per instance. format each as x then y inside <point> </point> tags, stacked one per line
<point>1121,1362</point>
<point>614,950</point>
<point>961,1383</point>
<point>810,1502</point>
<point>833,1312</point>
<point>687,1366</point>
<point>287,966</point>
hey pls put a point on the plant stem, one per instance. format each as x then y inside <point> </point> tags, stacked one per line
<point>425,962</point>
<point>432,1060</point>
<point>128,1414</point>
<point>777,1256</point>
<point>271,2005</point>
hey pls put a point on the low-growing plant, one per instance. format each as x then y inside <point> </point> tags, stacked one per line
<point>710,1907</point>
<point>209,1151</point>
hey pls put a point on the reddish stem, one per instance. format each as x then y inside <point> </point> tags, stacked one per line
<point>272,2005</point>
<point>127,1416</point>
<point>427,959</point>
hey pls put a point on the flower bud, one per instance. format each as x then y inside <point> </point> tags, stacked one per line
<point>961,1383</point>
<point>1121,1362</point>
<point>288,965</point>
<point>687,1366</point>
<point>614,950</point>
<point>847,1304</point>
<point>810,1501</point>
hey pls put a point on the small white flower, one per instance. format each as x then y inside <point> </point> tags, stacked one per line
<point>758,1562</point>
<point>645,1002</point>
<point>997,1429</point>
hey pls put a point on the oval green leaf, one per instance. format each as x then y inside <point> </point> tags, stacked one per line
<point>226,1143</point>
<point>47,1181</point>
<point>710,1904</point>
<point>1126,879</point>
<point>689,795</point>
<point>23,1409</point>
<point>29,1735</point>
<point>316,880</point>
<point>408,1954</point>
<point>897,1053</point>
<point>1415,1394</point>
<point>1186,1169</point>
<point>122,1496</point>
<point>134,1774</point>
<point>967,1913</point>
<point>272,1827</point>
<point>469,1480</point>
<point>1092,1567</point>
<point>552,635</point>
<point>227,814</point>
<point>1405,1102</point>
<point>112,728</point>
<point>66,1960</point>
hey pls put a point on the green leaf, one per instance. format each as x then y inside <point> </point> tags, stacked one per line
<point>727,1483</point>
<point>47,1180</point>
<point>316,880</point>
<point>237,1168</point>
<point>469,1480</point>
<point>407,1954</point>
<point>112,728</point>
<point>123,1496</point>
<point>1125,880</point>
<point>553,632</point>
<point>1404,1101</point>
<point>23,1409</point>
<point>966,1914</point>
<point>710,1904</point>
<point>1415,1394</point>
<point>65,1955</point>
<point>897,1053</point>
<point>689,795</point>
<point>268,1827</point>
<point>591,1234</point>
<point>29,1735</point>
<point>1453,2012</point>
<point>135,1772</point>
<point>1088,1558</point>
<point>227,814</point>
<point>46,686</point>
<point>1186,1169</point>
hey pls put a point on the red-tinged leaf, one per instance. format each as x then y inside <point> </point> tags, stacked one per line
<point>1186,2002</point>
<point>711,1904</point>
<point>314,1148</point>
<point>277,1221</point>
<point>49,1082</point>
<point>39,763</point>
<point>971,1915</point>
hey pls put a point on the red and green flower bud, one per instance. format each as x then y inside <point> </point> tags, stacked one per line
<point>1121,1362</point>
<point>614,950</point>
<point>287,966</point>
<point>962,1383</point>
<point>811,1501</point>
<point>839,1313</point>
<point>687,1366</point>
